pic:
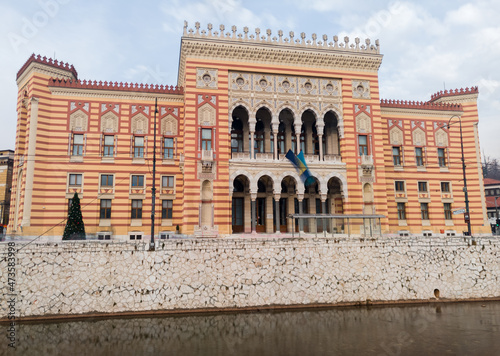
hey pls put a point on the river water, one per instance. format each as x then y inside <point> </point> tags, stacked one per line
<point>430,329</point>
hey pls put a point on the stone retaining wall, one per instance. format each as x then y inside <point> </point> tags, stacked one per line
<point>85,277</point>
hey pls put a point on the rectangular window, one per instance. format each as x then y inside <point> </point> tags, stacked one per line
<point>401,211</point>
<point>167,182</point>
<point>109,146</point>
<point>105,211</point>
<point>70,201</point>
<point>419,156</point>
<point>104,236</point>
<point>75,180</point>
<point>445,187</point>
<point>168,148</point>
<point>136,209</point>
<point>106,180</point>
<point>135,236</point>
<point>138,181</point>
<point>77,147</point>
<point>399,185</point>
<point>424,210</point>
<point>363,145</point>
<point>422,187</point>
<point>441,157</point>
<point>138,146</point>
<point>396,156</point>
<point>166,209</point>
<point>206,139</point>
<point>447,211</point>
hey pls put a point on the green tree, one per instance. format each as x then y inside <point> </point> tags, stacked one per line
<point>75,229</point>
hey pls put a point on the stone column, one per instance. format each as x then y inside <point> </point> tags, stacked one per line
<point>277,197</point>
<point>300,198</point>
<point>253,196</point>
<point>297,135</point>
<point>251,130</point>
<point>323,210</point>
<point>30,163</point>
<point>320,127</point>
<point>275,135</point>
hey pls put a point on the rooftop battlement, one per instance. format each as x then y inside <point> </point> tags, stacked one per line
<point>280,40</point>
<point>100,85</point>
<point>47,61</point>
<point>451,92</point>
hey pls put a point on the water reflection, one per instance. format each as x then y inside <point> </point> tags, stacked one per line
<point>439,329</point>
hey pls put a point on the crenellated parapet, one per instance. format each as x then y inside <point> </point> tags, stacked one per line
<point>49,62</point>
<point>100,85</point>
<point>267,38</point>
<point>423,105</point>
<point>451,92</point>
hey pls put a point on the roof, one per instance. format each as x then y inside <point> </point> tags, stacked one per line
<point>490,181</point>
<point>490,202</point>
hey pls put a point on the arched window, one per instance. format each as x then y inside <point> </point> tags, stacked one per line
<point>315,140</point>
<point>259,137</point>
<point>237,136</point>
<point>281,138</point>
<point>303,139</point>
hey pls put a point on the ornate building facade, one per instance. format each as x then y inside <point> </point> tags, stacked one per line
<point>241,102</point>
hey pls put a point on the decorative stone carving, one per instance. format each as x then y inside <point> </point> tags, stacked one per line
<point>169,125</point>
<point>139,124</point>
<point>206,78</point>
<point>109,123</point>
<point>78,121</point>
<point>361,89</point>
<point>206,115</point>
<point>396,136</point>
<point>441,138</point>
<point>419,137</point>
<point>363,123</point>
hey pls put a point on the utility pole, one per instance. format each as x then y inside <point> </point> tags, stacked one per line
<point>153,189</point>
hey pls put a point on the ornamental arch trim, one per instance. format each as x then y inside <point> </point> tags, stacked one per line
<point>342,179</point>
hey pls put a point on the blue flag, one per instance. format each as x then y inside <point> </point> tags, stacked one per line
<point>300,165</point>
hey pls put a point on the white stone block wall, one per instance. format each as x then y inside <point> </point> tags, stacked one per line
<point>85,277</point>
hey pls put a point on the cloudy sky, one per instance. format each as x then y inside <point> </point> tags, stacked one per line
<point>427,45</point>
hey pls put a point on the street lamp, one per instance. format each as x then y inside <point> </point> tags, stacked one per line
<point>467,216</point>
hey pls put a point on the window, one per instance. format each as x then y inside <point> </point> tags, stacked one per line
<point>447,211</point>
<point>168,148</point>
<point>167,182</point>
<point>135,236</point>
<point>138,146</point>
<point>136,209</point>
<point>396,156</point>
<point>441,157</point>
<point>138,181</point>
<point>206,139</point>
<point>424,210</point>
<point>106,180</point>
<point>281,138</point>
<point>259,137</point>
<point>105,211</point>
<point>75,180</point>
<point>363,145</point>
<point>422,187</point>
<point>419,156</point>
<point>109,146</point>
<point>445,187</point>
<point>70,201</point>
<point>77,148</point>
<point>399,185</point>
<point>166,209</point>
<point>237,136</point>
<point>104,236</point>
<point>401,211</point>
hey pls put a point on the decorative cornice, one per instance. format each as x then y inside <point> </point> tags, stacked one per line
<point>113,95</point>
<point>130,87</point>
<point>277,50</point>
<point>421,113</point>
<point>451,92</point>
<point>47,62</point>
<point>420,105</point>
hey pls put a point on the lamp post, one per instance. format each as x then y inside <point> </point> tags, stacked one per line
<point>153,189</point>
<point>467,216</point>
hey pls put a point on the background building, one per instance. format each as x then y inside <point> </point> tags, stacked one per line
<point>492,192</point>
<point>6,165</point>
<point>242,101</point>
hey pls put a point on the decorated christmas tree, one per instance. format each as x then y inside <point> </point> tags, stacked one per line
<point>74,230</point>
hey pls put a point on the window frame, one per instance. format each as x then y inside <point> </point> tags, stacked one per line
<point>137,178</point>
<point>107,147</point>
<point>447,211</point>
<point>206,143</point>
<point>168,151</point>
<point>105,209</point>
<point>441,159</point>
<point>167,208</point>
<point>422,184</point>
<point>419,158</point>
<point>76,176</point>
<point>396,158</point>
<point>136,209</point>
<point>138,150</point>
<point>448,187</point>
<point>169,179</point>
<point>363,148</point>
<point>401,211</point>
<point>107,178</point>
<point>424,213</point>
<point>78,146</point>
<point>399,183</point>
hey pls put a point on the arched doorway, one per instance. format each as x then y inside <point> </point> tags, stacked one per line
<point>287,203</point>
<point>239,204</point>
<point>335,204</point>
<point>239,131</point>
<point>264,205</point>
